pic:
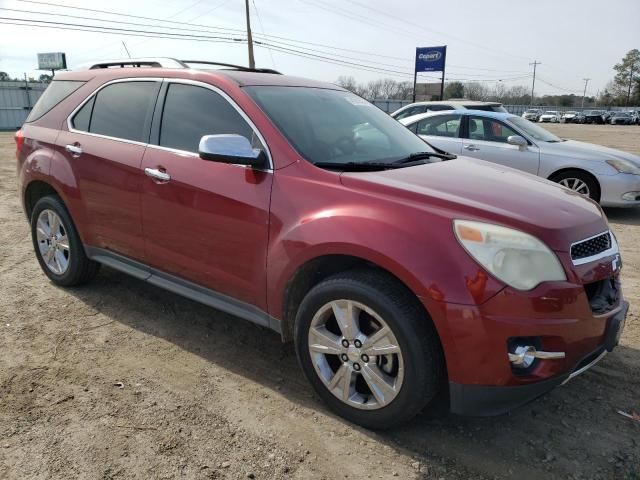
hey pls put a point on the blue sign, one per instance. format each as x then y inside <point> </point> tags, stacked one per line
<point>430,59</point>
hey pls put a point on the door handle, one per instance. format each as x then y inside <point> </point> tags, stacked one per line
<point>157,174</point>
<point>74,150</point>
<point>471,148</point>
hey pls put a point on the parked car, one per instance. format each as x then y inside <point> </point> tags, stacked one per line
<point>422,107</point>
<point>620,118</point>
<point>394,269</point>
<point>552,116</point>
<point>579,118</point>
<point>635,116</point>
<point>594,116</point>
<point>532,114</point>
<point>569,116</point>
<point>608,176</point>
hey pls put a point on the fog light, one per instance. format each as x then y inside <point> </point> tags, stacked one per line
<point>631,196</point>
<point>525,355</point>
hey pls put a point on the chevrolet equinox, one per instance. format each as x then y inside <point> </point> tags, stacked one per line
<point>398,271</point>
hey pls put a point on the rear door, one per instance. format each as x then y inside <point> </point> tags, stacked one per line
<point>205,222</point>
<point>442,131</point>
<point>104,144</point>
<point>486,139</point>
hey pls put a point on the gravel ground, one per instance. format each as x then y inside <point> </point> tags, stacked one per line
<point>119,379</point>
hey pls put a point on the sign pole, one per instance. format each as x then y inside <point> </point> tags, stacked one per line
<point>444,64</point>
<point>415,77</point>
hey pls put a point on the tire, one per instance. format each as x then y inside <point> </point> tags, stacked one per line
<point>66,266</point>
<point>420,357</point>
<point>566,179</point>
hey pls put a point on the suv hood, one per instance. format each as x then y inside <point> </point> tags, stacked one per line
<point>587,151</point>
<point>473,189</point>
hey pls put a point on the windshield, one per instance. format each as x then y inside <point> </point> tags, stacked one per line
<point>550,112</point>
<point>531,110</point>
<point>534,130</point>
<point>336,126</point>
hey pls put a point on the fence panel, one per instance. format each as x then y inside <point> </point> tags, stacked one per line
<point>16,101</point>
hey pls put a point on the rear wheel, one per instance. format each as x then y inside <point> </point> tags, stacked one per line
<point>368,348</point>
<point>57,244</point>
<point>580,182</point>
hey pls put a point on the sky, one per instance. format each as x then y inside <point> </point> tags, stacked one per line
<point>490,41</point>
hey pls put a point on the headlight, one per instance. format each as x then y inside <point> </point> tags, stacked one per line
<point>624,166</point>
<point>516,258</point>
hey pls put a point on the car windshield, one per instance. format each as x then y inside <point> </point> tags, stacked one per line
<point>550,112</point>
<point>335,126</point>
<point>531,110</point>
<point>622,114</point>
<point>533,130</point>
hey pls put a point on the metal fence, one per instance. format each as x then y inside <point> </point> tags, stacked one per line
<point>16,101</point>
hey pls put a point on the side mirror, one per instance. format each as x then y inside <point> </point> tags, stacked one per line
<point>517,140</point>
<point>231,148</point>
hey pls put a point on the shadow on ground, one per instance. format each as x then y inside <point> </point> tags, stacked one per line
<point>627,216</point>
<point>574,432</point>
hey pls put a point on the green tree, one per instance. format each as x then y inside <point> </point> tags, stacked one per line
<point>44,78</point>
<point>4,77</point>
<point>454,90</point>
<point>627,71</point>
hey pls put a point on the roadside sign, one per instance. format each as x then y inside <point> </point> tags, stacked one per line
<point>52,61</point>
<point>430,59</point>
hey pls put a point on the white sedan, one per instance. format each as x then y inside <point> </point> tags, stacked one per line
<point>608,176</point>
<point>552,116</point>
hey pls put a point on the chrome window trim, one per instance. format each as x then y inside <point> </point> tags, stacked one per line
<point>232,102</point>
<point>612,250</point>
<point>159,147</point>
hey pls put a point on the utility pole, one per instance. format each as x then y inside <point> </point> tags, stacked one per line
<point>630,82</point>
<point>533,86</point>
<point>252,62</point>
<point>586,81</point>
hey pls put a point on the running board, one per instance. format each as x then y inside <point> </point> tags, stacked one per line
<point>183,287</point>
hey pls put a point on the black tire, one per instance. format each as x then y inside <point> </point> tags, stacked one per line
<point>419,343</point>
<point>80,269</point>
<point>592,183</point>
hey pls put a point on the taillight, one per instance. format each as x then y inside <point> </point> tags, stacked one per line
<point>19,138</point>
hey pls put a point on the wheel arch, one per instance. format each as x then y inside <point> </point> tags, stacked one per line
<point>34,191</point>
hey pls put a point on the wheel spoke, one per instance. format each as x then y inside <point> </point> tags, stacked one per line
<point>340,384</point>
<point>63,242</point>
<point>61,260</point>
<point>380,343</point>
<point>380,384</point>
<point>54,222</point>
<point>346,314</point>
<point>322,340</point>
<point>42,228</point>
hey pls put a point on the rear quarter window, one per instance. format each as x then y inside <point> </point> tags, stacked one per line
<point>57,91</point>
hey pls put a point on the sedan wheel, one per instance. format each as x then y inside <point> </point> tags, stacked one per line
<point>355,354</point>
<point>576,185</point>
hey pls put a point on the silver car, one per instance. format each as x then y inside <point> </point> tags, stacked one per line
<point>608,176</point>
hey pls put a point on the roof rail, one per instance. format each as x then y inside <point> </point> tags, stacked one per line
<point>135,62</point>
<point>231,65</point>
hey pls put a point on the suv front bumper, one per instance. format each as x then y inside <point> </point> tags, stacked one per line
<point>488,400</point>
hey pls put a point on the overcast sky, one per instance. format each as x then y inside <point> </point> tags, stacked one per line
<point>492,40</point>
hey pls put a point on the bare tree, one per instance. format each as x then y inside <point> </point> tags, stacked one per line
<point>476,91</point>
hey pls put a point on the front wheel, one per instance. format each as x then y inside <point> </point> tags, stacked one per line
<point>579,182</point>
<point>368,348</point>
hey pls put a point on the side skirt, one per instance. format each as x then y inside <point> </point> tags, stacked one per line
<point>183,287</point>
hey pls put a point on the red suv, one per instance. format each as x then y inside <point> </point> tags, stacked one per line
<point>396,269</point>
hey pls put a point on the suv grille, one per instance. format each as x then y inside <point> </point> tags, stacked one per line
<point>591,247</point>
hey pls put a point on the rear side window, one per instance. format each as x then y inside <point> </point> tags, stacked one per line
<point>121,110</point>
<point>57,91</point>
<point>190,112</point>
<point>82,119</point>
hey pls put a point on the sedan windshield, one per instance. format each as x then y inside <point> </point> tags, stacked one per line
<point>337,127</point>
<point>533,130</point>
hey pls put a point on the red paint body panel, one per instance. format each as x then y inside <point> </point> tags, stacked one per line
<point>245,233</point>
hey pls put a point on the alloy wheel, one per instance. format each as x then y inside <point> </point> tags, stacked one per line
<point>53,241</point>
<point>356,354</point>
<point>576,185</point>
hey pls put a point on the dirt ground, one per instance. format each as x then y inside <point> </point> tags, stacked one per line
<point>119,379</point>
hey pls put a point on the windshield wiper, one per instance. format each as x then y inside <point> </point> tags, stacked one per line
<point>422,155</point>
<point>368,166</point>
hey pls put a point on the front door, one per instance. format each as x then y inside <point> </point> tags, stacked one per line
<point>203,221</point>
<point>487,140</point>
<point>442,131</point>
